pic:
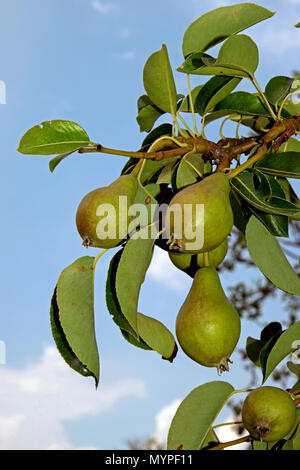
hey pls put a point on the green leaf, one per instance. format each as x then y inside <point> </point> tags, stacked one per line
<point>239,217</point>
<point>53,137</point>
<point>159,81</point>
<point>165,175</point>
<point>195,415</point>
<point>152,168</point>
<point>297,25</point>
<point>157,336</point>
<point>253,349</point>
<point>150,334</point>
<point>148,116</point>
<point>215,26</point>
<point>189,170</point>
<point>131,273</point>
<point>56,160</point>
<point>75,302</point>
<point>258,349</point>
<point>199,63</point>
<point>268,256</point>
<point>211,440</point>
<point>159,131</point>
<point>255,188</point>
<point>292,145</point>
<point>143,192</point>
<point>214,91</point>
<point>277,225</point>
<point>143,197</point>
<point>256,123</point>
<point>285,164</point>
<point>295,369</point>
<point>61,341</point>
<point>278,88</point>
<point>185,106</point>
<point>241,102</point>
<point>112,299</point>
<point>239,52</point>
<point>284,346</point>
<point>269,331</point>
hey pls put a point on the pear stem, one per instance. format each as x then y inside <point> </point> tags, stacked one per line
<point>227,424</point>
<point>97,259</point>
<point>206,260</point>
<point>223,445</point>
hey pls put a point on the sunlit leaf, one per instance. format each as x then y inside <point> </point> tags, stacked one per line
<point>215,26</point>
<point>53,137</point>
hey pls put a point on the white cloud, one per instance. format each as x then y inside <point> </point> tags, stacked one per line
<point>163,271</point>
<point>35,402</point>
<point>104,8</point>
<point>163,421</point>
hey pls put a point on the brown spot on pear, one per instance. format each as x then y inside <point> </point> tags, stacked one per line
<point>202,232</point>
<point>207,325</point>
<point>268,414</point>
<point>94,223</point>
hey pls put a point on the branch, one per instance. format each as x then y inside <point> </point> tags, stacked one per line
<point>223,445</point>
<point>221,153</point>
<point>280,133</point>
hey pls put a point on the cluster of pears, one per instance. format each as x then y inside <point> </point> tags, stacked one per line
<point>207,325</point>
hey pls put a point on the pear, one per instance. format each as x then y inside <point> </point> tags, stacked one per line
<point>269,414</point>
<point>102,216</point>
<point>192,230</point>
<point>207,326</point>
<point>184,261</point>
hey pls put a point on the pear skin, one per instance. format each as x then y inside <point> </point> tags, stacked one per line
<point>198,234</point>
<point>88,218</point>
<point>207,325</point>
<point>269,414</point>
<point>183,261</point>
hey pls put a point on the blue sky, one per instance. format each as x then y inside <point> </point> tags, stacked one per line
<point>82,60</point>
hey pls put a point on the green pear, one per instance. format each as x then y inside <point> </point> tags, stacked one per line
<point>184,261</point>
<point>193,231</point>
<point>269,414</point>
<point>207,326</point>
<point>102,216</point>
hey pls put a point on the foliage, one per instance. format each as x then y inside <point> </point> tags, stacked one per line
<point>174,156</point>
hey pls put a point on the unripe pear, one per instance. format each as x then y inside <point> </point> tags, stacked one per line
<point>207,325</point>
<point>95,220</point>
<point>268,414</point>
<point>193,231</point>
<point>184,261</point>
